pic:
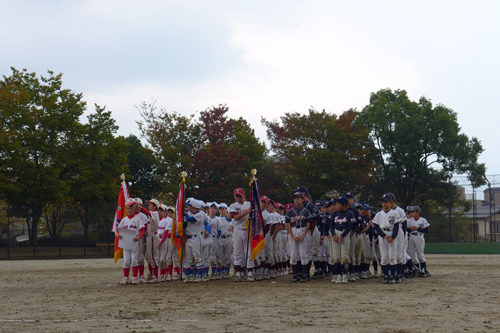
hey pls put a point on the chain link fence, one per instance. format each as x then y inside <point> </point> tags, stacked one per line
<point>67,231</point>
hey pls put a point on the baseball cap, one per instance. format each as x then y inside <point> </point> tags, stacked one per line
<point>239,191</point>
<point>163,207</point>
<point>393,198</point>
<point>130,202</point>
<point>156,202</point>
<point>386,197</point>
<point>281,206</point>
<point>415,209</point>
<point>171,208</point>
<point>222,205</point>
<point>202,203</point>
<point>214,204</point>
<point>357,205</point>
<point>208,204</point>
<point>331,202</point>
<point>349,194</point>
<point>342,200</point>
<point>288,206</point>
<point>196,203</point>
<point>138,200</point>
<point>298,194</point>
<point>189,199</point>
<point>319,203</point>
<point>277,205</point>
<point>301,189</point>
<point>264,198</point>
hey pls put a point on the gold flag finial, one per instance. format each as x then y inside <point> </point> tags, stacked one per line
<point>183,175</point>
<point>254,172</point>
<point>122,177</point>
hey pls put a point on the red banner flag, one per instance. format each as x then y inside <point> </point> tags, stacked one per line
<point>119,214</point>
<point>257,242</point>
<point>177,226</point>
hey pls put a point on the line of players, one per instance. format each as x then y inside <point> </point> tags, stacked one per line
<point>339,236</point>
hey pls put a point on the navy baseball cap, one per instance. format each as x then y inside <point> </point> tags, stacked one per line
<point>393,197</point>
<point>386,197</point>
<point>343,201</point>
<point>302,189</point>
<point>349,194</point>
<point>415,209</point>
<point>319,203</point>
<point>356,205</point>
<point>298,194</point>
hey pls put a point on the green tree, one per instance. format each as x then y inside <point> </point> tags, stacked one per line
<point>320,151</point>
<point>45,151</point>
<point>141,166</point>
<point>417,147</point>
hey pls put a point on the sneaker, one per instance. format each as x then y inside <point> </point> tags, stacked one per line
<point>218,276</point>
<point>213,277</point>
<point>175,277</point>
<point>225,275</point>
<point>392,280</point>
<point>162,278</point>
<point>295,278</point>
<point>386,280</point>
<point>369,274</point>
<point>258,277</point>
<point>205,278</point>
<point>427,274</point>
<point>356,276</point>
<point>198,279</point>
<point>170,278</point>
<point>149,278</point>
<point>305,278</point>
<point>142,279</point>
<point>334,278</point>
<point>345,278</point>
<point>315,275</point>
<point>237,277</point>
<point>376,274</point>
<point>398,279</point>
<point>321,274</point>
<point>187,279</point>
<point>421,274</point>
<point>153,280</point>
<point>351,277</point>
<point>135,280</point>
<point>272,274</point>
<point>250,277</point>
<point>338,279</point>
<point>125,281</point>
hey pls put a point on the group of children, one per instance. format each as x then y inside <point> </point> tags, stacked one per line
<point>340,237</point>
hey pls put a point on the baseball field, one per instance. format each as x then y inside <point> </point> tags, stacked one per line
<point>84,296</point>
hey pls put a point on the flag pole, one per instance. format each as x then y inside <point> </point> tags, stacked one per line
<point>183,175</point>
<point>249,221</point>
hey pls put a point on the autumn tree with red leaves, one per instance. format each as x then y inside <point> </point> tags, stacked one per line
<point>319,150</point>
<point>217,152</point>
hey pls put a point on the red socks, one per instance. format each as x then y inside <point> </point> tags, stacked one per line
<point>135,270</point>
<point>126,272</point>
<point>169,269</point>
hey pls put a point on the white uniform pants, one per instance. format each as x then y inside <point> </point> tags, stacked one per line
<point>315,245</point>
<point>400,251</point>
<point>193,252</point>
<point>129,256</point>
<point>341,251</point>
<point>240,241</point>
<point>416,248</point>
<point>359,250</point>
<point>277,248</point>
<point>369,250</point>
<point>388,251</point>
<point>269,249</point>
<point>225,249</point>
<point>163,249</point>
<point>152,244</point>
<point>172,253</point>
<point>352,248</point>
<point>300,249</point>
<point>140,252</point>
<point>284,246</point>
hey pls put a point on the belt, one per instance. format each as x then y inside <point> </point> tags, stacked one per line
<point>297,227</point>
<point>191,236</point>
<point>417,233</point>
<point>340,229</point>
<point>224,237</point>
<point>387,229</point>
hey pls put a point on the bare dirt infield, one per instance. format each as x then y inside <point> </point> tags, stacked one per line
<point>84,296</point>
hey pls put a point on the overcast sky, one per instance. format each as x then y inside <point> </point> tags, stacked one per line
<point>264,58</point>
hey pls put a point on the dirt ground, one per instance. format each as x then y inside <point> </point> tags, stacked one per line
<point>84,296</point>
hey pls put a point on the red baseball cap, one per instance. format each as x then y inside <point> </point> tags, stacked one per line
<point>239,191</point>
<point>264,198</point>
<point>288,206</point>
<point>277,205</point>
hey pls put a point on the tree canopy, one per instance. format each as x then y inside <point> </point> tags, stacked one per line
<point>417,147</point>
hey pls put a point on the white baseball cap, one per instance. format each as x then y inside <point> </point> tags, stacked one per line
<point>196,203</point>
<point>202,203</point>
<point>156,202</point>
<point>129,202</point>
<point>163,207</point>
<point>222,205</point>
<point>138,200</point>
<point>214,204</point>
